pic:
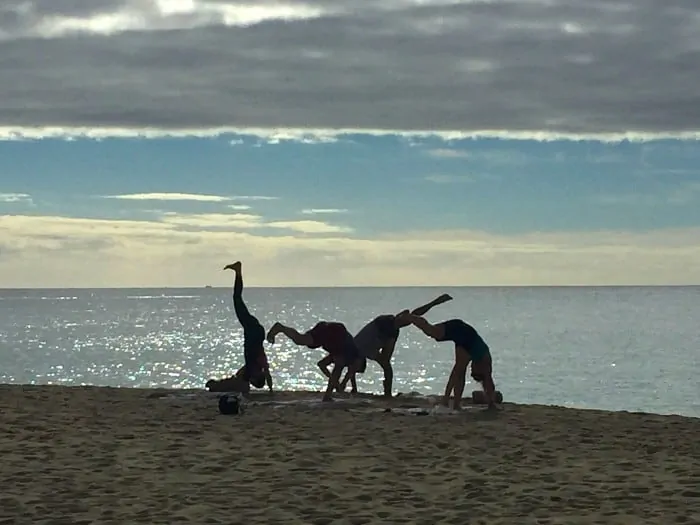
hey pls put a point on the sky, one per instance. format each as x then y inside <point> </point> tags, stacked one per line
<point>147,143</point>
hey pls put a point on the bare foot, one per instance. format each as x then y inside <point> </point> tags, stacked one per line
<point>444,298</point>
<point>327,399</point>
<point>236,267</point>
<point>272,333</point>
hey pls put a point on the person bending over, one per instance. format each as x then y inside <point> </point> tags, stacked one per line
<point>335,339</point>
<point>469,346</point>
<point>377,341</point>
<point>256,370</point>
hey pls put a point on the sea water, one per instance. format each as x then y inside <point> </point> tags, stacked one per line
<point>626,348</point>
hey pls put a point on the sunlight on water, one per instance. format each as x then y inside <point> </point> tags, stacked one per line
<point>618,348</point>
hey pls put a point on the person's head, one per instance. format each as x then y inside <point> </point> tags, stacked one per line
<point>258,381</point>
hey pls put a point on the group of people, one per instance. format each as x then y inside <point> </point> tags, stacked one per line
<point>376,341</point>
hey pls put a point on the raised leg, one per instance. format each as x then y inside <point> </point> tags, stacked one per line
<point>298,338</point>
<point>422,310</point>
<point>244,316</point>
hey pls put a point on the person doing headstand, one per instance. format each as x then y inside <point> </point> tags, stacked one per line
<point>256,370</point>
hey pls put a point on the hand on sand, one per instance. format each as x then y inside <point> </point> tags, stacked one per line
<point>236,267</point>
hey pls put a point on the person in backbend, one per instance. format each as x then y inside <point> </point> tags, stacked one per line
<point>256,370</point>
<point>469,346</point>
<point>335,339</point>
<point>377,341</point>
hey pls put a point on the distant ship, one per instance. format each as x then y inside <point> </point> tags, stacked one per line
<point>208,286</point>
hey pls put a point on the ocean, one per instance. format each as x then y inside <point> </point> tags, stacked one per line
<point>614,348</point>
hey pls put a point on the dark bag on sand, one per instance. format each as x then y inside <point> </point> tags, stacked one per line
<point>230,405</point>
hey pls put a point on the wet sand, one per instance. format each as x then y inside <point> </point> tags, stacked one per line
<point>100,455</point>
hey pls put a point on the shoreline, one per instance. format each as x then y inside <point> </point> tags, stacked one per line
<point>289,395</point>
<point>98,455</point>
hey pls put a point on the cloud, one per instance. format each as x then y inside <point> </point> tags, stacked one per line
<point>214,220</point>
<point>169,197</point>
<point>309,227</point>
<point>449,179</point>
<point>190,197</point>
<point>15,197</point>
<point>321,211</point>
<point>89,252</point>
<point>682,194</point>
<point>445,153</point>
<point>245,221</point>
<point>313,69</point>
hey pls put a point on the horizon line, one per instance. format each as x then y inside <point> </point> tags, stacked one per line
<point>207,287</point>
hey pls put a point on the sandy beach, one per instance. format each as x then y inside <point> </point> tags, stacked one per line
<point>103,455</point>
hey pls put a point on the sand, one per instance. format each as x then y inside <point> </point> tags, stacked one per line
<point>100,455</point>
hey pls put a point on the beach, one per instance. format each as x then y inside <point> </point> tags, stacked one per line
<point>80,455</point>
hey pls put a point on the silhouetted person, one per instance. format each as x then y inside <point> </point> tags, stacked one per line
<point>469,347</point>
<point>256,370</point>
<point>377,341</point>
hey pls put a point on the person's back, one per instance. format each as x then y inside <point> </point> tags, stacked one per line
<point>373,336</point>
<point>465,335</point>
<point>332,336</point>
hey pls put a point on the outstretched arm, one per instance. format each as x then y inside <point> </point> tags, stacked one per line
<point>333,382</point>
<point>436,331</point>
<point>323,365</point>
<point>352,377</point>
<point>489,390</point>
<point>268,379</point>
